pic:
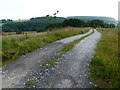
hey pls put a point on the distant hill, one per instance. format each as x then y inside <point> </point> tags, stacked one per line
<point>34,24</point>
<point>108,20</point>
<point>41,24</point>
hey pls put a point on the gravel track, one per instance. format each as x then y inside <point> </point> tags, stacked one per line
<point>73,69</point>
<point>67,73</point>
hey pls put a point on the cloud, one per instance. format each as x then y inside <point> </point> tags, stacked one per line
<point>33,8</point>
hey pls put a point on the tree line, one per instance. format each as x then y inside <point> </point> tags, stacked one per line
<point>81,23</point>
<point>6,21</point>
<point>44,23</point>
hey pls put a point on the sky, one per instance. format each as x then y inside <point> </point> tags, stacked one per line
<point>26,9</point>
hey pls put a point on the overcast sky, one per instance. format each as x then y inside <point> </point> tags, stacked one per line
<point>25,9</point>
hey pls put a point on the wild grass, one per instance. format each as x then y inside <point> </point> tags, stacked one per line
<point>13,46</point>
<point>30,84</point>
<point>104,66</point>
<point>49,64</point>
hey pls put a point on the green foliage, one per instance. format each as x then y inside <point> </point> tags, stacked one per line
<point>41,24</point>
<point>104,65</point>
<point>96,23</point>
<point>14,46</point>
<point>107,20</point>
<point>5,21</point>
<point>49,64</point>
<point>73,23</point>
<point>30,84</point>
<point>18,32</point>
<point>34,24</point>
<point>54,25</point>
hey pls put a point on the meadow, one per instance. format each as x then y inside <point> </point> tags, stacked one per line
<point>16,45</point>
<point>104,67</point>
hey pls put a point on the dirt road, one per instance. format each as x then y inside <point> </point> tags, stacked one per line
<point>71,71</point>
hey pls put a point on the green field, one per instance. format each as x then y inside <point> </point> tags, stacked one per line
<point>104,65</point>
<point>16,45</point>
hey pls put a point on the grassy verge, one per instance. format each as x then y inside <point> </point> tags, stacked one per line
<point>14,46</point>
<point>104,65</point>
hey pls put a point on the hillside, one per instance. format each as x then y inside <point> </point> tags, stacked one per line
<point>34,24</point>
<point>108,20</point>
<point>41,24</point>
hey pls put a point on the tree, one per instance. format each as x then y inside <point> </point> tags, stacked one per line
<point>57,11</point>
<point>48,15</point>
<point>73,23</point>
<point>9,20</point>
<point>96,23</point>
<point>32,18</point>
<point>112,26</point>
<point>3,20</point>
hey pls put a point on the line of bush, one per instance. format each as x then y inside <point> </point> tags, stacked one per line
<point>44,23</point>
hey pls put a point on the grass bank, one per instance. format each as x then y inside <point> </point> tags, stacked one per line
<point>13,46</point>
<point>104,65</point>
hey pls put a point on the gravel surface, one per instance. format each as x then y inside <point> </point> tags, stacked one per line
<point>74,66</point>
<point>71,71</point>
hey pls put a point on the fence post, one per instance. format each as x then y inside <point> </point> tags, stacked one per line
<point>26,36</point>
